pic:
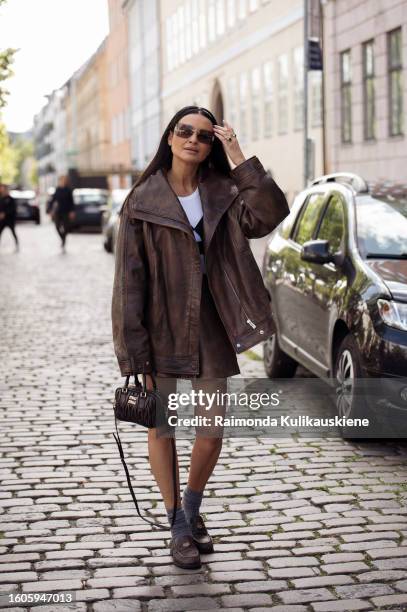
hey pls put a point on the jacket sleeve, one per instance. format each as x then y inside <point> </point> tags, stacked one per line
<point>130,335</point>
<point>261,205</point>
<point>71,203</point>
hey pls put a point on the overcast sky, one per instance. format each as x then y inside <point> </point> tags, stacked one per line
<point>55,37</point>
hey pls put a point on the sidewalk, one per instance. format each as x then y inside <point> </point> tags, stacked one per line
<point>312,525</point>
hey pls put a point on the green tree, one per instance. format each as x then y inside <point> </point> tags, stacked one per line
<point>23,149</point>
<point>6,60</point>
<point>8,157</point>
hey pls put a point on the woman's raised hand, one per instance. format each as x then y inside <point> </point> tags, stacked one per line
<point>230,143</point>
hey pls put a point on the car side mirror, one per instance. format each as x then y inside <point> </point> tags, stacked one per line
<point>316,251</point>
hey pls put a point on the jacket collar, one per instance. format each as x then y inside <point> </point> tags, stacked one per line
<point>155,201</point>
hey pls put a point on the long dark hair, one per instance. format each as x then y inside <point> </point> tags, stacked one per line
<point>216,159</point>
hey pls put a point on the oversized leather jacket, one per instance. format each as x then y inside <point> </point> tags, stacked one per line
<point>157,283</point>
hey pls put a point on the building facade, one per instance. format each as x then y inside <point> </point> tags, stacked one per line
<point>145,79</point>
<point>49,134</point>
<point>119,157</point>
<point>366,87</point>
<point>93,134</point>
<point>244,60</point>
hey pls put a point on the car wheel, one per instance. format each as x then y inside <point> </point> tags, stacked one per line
<point>350,402</point>
<point>277,364</point>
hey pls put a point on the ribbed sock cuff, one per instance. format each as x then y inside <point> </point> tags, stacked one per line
<point>191,502</point>
<point>180,526</point>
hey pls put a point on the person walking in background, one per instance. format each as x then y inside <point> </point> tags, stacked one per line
<point>188,294</point>
<point>61,208</point>
<point>8,212</point>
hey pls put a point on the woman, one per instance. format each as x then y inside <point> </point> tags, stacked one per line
<point>61,208</point>
<point>188,294</point>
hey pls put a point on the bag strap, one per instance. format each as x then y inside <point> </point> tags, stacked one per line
<point>138,383</point>
<point>174,479</point>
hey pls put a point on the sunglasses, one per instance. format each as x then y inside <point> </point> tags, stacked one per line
<point>183,130</point>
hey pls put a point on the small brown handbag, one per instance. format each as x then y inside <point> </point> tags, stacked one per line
<point>136,404</point>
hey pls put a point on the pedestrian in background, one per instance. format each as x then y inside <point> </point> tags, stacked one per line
<point>8,212</point>
<point>61,207</point>
<point>188,294</point>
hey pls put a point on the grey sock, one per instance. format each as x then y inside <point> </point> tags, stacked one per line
<point>191,502</point>
<point>180,526</point>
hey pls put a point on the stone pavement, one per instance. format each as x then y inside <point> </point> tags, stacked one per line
<point>300,525</point>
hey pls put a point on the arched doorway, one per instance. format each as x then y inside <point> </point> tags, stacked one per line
<point>217,102</point>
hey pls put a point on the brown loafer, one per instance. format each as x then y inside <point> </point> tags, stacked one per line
<point>185,553</point>
<point>201,536</point>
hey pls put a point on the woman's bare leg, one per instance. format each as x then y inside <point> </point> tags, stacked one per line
<point>208,441</point>
<point>160,453</point>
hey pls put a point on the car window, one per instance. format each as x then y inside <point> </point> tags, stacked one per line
<point>309,217</point>
<point>333,224</point>
<point>89,198</point>
<point>382,227</point>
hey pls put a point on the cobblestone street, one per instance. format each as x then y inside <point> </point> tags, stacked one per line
<point>312,525</point>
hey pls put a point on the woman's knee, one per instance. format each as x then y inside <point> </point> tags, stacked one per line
<point>210,444</point>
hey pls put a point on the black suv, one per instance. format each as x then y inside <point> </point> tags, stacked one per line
<point>336,271</point>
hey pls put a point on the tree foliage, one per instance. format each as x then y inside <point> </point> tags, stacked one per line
<point>6,61</point>
<point>8,157</point>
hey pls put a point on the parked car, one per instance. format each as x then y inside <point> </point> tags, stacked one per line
<point>89,205</point>
<point>110,218</point>
<point>27,205</point>
<point>336,271</point>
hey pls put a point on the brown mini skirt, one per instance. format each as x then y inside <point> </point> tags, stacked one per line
<point>217,357</point>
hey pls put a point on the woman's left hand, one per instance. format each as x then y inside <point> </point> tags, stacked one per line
<point>230,143</point>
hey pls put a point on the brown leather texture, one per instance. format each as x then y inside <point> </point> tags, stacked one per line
<point>157,281</point>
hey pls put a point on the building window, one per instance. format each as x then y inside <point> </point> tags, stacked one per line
<point>268,99</point>
<point>242,9</point>
<point>316,98</point>
<point>255,78</point>
<point>232,102</point>
<point>202,23</point>
<point>188,30</point>
<point>211,21</point>
<point>174,41</point>
<point>282,88</point>
<point>395,80</point>
<point>231,10</point>
<point>253,5</point>
<point>168,31</point>
<point>369,131</point>
<point>220,17</point>
<point>243,108</point>
<point>195,26</point>
<point>299,88</point>
<point>346,96</point>
<point>181,35</point>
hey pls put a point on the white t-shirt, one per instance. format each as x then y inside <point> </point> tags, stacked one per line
<point>192,206</point>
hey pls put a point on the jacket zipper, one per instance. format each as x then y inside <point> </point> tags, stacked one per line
<point>248,320</point>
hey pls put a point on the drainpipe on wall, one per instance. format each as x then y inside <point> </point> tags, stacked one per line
<point>305,163</point>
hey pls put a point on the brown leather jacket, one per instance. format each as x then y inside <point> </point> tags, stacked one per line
<point>157,284</point>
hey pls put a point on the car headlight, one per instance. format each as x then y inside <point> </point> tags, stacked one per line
<point>393,313</point>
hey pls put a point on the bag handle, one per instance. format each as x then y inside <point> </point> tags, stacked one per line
<point>174,480</point>
<point>138,383</point>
